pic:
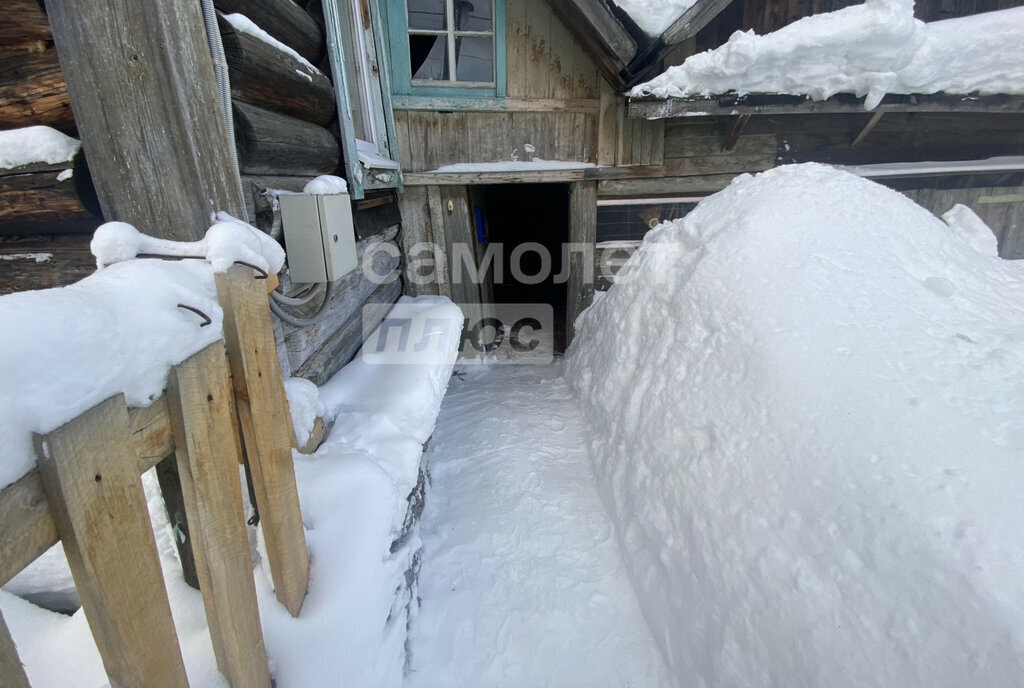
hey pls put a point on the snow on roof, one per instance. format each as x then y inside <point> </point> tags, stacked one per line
<point>868,50</point>
<point>30,145</point>
<point>807,420</point>
<point>655,16</point>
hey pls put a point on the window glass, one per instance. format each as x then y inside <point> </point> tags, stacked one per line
<point>430,15</point>
<point>474,58</point>
<point>472,15</point>
<point>429,57</point>
<point>451,41</point>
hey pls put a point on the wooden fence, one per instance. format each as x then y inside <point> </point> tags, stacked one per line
<point>86,492</point>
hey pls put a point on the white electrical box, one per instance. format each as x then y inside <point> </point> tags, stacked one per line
<point>319,237</point>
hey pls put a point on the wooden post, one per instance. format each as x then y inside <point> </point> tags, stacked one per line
<point>203,418</point>
<point>11,670</point>
<point>91,477</point>
<point>266,429</point>
<point>140,80</point>
<point>582,231</point>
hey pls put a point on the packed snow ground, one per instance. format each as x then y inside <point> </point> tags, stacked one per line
<point>522,581</point>
<point>806,414</point>
<point>868,50</point>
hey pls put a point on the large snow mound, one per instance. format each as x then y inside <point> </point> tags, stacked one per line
<point>868,50</point>
<point>807,416</point>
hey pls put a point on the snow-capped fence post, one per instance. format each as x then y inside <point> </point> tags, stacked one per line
<point>10,665</point>
<point>266,429</point>
<point>91,477</point>
<point>206,447</point>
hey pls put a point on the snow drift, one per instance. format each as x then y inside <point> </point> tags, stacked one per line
<point>868,50</point>
<point>807,417</point>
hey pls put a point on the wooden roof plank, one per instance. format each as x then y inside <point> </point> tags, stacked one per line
<point>693,20</point>
<point>774,104</point>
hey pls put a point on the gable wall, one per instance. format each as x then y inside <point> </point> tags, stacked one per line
<point>553,103</point>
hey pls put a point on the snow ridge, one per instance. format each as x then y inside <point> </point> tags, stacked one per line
<point>806,423</point>
<point>867,50</point>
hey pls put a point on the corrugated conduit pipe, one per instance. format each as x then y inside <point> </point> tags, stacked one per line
<point>220,73</point>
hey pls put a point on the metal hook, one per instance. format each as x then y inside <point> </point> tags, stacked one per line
<point>198,312</point>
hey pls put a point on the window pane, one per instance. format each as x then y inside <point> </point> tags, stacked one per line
<point>474,58</point>
<point>427,14</point>
<point>429,57</point>
<point>473,15</point>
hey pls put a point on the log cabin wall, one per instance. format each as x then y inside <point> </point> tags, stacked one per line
<point>286,133</point>
<point>553,103</point>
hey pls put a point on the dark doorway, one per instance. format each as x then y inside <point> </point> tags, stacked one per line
<point>521,213</point>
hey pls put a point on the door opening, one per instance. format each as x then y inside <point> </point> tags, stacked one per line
<point>537,215</point>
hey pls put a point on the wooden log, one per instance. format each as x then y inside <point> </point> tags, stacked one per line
<point>32,90</point>
<point>47,199</point>
<point>26,526</point>
<point>42,262</point>
<point>205,439</point>
<point>284,20</point>
<point>91,478</point>
<point>582,231</point>
<point>140,79</point>
<point>269,143</point>
<point>24,23</point>
<point>266,429</point>
<point>264,76</point>
<point>10,664</point>
<point>343,345</point>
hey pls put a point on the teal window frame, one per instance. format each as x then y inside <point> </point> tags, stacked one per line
<point>401,73</point>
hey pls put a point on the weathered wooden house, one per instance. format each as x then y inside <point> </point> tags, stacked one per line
<point>468,125</point>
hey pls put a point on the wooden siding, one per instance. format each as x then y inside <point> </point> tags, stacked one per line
<point>553,103</point>
<point>1002,208</point>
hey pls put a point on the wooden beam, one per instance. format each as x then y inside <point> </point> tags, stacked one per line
<point>867,128</point>
<point>205,437</point>
<point>26,526</point>
<point>92,483</point>
<point>262,75</point>
<point>266,429</point>
<point>599,33</point>
<point>664,185</point>
<point>271,143</point>
<point>693,20</point>
<point>738,125</point>
<point>32,89</point>
<point>285,21</point>
<point>509,177</point>
<point>140,81</point>
<point>582,231</point>
<point>587,106</point>
<point>762,104</point>
<point>24,23</point>
<point>10,664</point>
<point>44,198</point>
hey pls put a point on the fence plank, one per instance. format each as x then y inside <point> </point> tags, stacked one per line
<point>11,670</point>
<point>202,415</point>
<point>91,477</point>
<point>266,430</point>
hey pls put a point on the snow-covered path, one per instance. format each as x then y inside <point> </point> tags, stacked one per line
<point>522,581</point>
